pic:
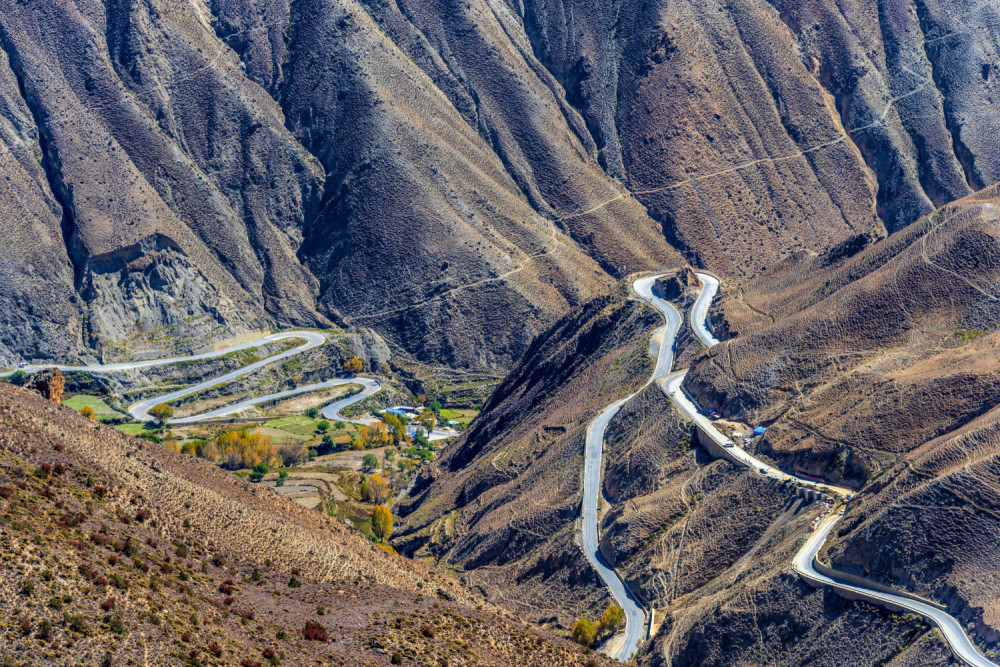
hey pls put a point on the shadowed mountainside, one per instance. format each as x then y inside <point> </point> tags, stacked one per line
<point>455,175</point>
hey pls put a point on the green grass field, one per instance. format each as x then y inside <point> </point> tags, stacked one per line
<point>101,409</point>
<point>132,429</point>
<point>464,416</point>
<point>295,424</point>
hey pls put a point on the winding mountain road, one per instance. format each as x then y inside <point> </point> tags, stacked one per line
<point>950,627</point>
<point>312,340</point>
<point>804,561</point>
<point>699,312</point>
<point>662,348</point>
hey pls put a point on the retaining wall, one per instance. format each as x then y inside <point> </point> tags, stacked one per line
<point>714,448</point>
<point>868,583</point>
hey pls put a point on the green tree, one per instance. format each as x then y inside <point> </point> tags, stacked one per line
<point>312,413</point>
<point>323,426</point>
<point>17,377</point>
<point>162,413</point>
<point>370,462</point>
<point>382,522</point>
<point>259,471</point>
<point>282,476</point>
<point>584,632</point>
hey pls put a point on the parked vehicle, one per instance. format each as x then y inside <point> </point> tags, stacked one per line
<point>764,470</point>
<point>727,443</point>
<point>841,512</point>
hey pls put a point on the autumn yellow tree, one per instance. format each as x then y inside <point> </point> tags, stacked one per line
<point>611,620</point>
<point>374,435</point>
<point>161,412</point>
<point>376,489</point>
<point>584,632</point>
<point>382,522</point>
<point>428,420</point>
<point>87,412</point>
<point>396,427</point>
<point>353,365</point>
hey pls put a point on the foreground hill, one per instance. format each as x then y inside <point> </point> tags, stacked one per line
<point>117,551</point>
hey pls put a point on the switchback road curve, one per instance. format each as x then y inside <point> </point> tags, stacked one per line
<point>312,340</point>
<point>662,347</point>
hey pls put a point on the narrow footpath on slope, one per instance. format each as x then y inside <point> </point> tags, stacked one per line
<point>661,346</point>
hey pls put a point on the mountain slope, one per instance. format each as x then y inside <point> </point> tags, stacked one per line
<point>502,502</point>
<point>880,371</point>
<point>455,175</point>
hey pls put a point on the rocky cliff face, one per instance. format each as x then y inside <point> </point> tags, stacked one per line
<point>456,176</point>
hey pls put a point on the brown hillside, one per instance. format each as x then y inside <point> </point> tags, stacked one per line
<point>862,345</point>
<point>502,503</point>
<point>114,549</point>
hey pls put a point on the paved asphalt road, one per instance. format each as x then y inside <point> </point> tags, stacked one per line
<point>805,558</point>
<point>140,411</point>
<point>950,627</point>
<point>662,345</point>
<point>699,312</point>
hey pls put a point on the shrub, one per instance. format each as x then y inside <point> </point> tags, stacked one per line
<point>181,549</point>
<point>78,624</point>
<point>108,604</point>
<point>294,583</point>
<point>27,587</point>
<point>313,631</point>
<point>427,631</point>
<point>259,471</point>
<point>87,412</point>
<point>44,630</point>
<point>396,659</point>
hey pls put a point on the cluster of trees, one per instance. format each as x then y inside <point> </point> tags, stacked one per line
<point>241,448</point>
<point>586,632</point>
<point>372,435</point>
